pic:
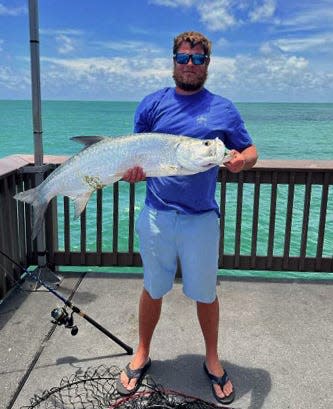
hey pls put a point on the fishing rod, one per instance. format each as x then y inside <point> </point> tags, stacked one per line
<point>60,315</point>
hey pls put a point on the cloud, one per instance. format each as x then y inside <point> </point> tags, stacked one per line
<point>269,47</point>
<point>269,78</point>
<point>221,43</point>
<point>263,12</point>
<point>222,67</point>
<point>317,43</point>
<point>13,80</point>
<point>65,44</point>
<point>220,15</point>
<point>307,43</point>
<point>173,3</point>
<point>217,14</point>
<point>12,11</point>
<point>314,15</point>
<point>61,31</point>
<point>128,68</point>
<point>242,77</point>
<point>66,39</point>
<point>309,17</point>
<point>128,46</point>
<point>273,73</point>
<point>106,78</point>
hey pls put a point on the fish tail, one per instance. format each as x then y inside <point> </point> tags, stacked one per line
<point>39,204</point>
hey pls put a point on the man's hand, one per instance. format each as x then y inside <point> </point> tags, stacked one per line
<point>133,175</point>
<point>236,163</point>
<point>242,160</point>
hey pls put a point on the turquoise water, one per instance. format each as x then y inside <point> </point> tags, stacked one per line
<point>280,131</point>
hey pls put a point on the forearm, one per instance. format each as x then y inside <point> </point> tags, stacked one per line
<point>250,156</point>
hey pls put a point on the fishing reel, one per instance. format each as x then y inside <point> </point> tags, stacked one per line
<point>61,317</point>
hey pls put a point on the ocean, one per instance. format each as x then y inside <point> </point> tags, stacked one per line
<point>279,130</point>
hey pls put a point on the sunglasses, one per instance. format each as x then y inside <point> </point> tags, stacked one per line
<point>183,58</point>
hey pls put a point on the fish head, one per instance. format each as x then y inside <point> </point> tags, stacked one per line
<point>199,155</point>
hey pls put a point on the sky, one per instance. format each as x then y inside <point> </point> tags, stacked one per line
<point>263,50</point>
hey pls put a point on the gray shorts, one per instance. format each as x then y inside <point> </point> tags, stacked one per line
<point>165,236</point>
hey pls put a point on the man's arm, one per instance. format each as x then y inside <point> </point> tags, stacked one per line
<point>242,160</point>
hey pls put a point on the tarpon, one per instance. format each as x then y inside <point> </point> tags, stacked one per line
<point>104,161</point>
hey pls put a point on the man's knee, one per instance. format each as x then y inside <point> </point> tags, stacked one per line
<point>146,295</point>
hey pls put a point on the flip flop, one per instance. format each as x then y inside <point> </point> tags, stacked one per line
<point>138,374</point>
<point>221,381</point>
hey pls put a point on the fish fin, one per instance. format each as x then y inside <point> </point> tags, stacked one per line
<point>88,140</point>
<point>35,199</point>
<point>80,202</point>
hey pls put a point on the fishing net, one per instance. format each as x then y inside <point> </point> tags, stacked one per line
<point>96,389</point>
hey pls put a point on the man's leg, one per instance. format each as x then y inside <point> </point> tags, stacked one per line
<point>149,314</point>
<point>208,315</point>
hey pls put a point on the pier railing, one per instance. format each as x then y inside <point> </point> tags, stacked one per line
<point>276,216</point>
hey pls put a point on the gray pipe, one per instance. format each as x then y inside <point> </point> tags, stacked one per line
<point>35,82</point>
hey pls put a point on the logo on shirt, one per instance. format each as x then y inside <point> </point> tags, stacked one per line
<point>202,120</point>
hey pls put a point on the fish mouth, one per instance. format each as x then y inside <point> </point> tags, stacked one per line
<point>208,165</point>
<point>212,162</point>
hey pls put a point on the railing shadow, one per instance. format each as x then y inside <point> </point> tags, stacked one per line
<point>12,303</point>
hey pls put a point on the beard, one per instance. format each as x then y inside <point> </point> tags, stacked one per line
<point>189,84</point>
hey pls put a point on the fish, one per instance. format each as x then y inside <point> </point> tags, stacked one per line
<point>104,160</point>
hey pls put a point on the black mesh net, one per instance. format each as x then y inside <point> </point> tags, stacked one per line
<point>96,389</point>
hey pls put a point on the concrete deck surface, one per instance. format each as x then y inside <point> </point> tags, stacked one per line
<point>276,340</point>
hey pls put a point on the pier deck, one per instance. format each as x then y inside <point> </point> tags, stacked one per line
<point>275,340</point>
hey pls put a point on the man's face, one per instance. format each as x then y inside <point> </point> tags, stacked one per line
<point>190,77</point>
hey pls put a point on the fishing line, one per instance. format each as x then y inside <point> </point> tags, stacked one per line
<point>60,315</point>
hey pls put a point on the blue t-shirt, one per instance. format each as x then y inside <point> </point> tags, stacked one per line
<point>202,115</point>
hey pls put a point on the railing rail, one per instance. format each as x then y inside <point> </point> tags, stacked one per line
<point>276,216</point>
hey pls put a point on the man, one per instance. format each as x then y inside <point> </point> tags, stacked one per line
<point>180,217</point>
